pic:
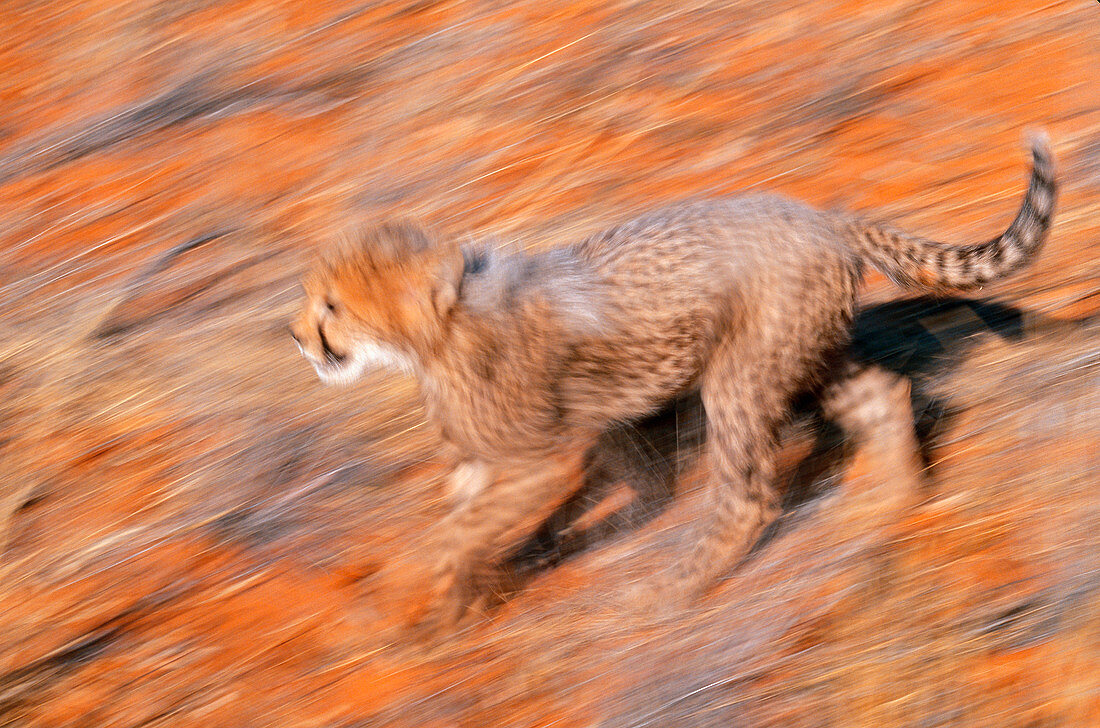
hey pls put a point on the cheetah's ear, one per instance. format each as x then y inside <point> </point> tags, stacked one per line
<point>444,298</point>
<point>448,283</point>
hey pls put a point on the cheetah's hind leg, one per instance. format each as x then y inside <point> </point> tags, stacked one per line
<point>872,406</point>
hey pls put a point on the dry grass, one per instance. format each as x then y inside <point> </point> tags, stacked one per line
<point>195,533</point>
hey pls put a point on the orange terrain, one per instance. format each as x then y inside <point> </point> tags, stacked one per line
<point>195,532</point>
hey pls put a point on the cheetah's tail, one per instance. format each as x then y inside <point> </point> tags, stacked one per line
<point>913,261</point>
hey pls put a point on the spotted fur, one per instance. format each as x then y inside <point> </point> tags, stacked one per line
<point>525,358</point>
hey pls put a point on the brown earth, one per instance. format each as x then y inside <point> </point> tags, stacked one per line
<point>196,533</point>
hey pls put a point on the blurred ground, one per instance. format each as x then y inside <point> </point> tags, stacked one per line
<point>194,532</point>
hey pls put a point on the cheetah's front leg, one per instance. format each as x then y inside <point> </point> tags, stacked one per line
<point>464,563</point>
<point>490,505</point>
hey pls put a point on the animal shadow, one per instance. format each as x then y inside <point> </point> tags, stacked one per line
<point>916,338</point>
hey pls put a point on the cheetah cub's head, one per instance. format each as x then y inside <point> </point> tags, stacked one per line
<point>378,297</point>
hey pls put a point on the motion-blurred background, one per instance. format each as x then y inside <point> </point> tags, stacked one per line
<point>194,532</point>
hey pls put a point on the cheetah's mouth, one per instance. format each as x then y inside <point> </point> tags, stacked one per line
<point>335,368</point>
<point>332,357</point>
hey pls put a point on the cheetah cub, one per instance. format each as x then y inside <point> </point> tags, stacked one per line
<point>525,358</point>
